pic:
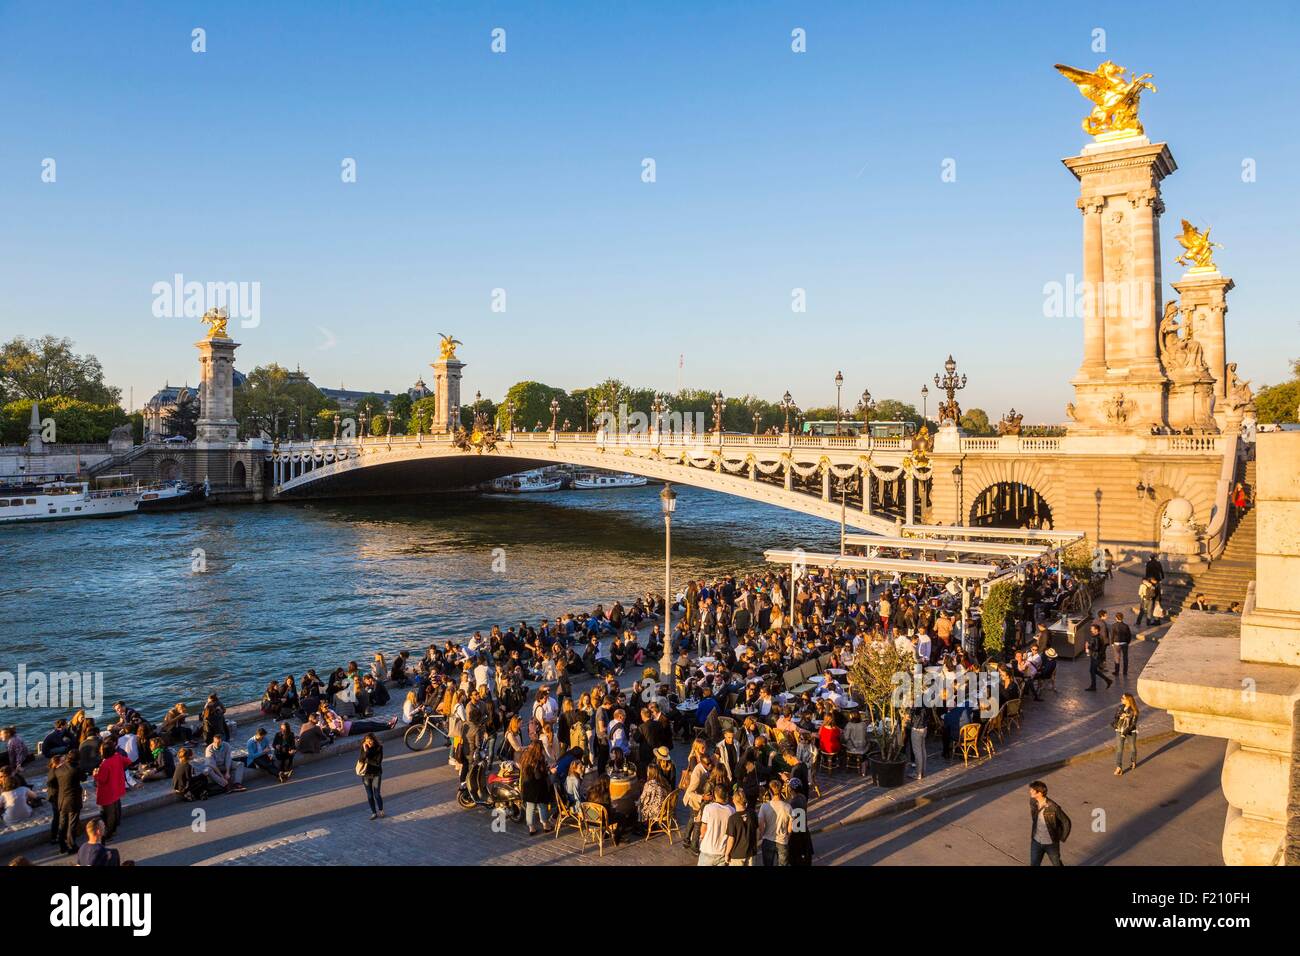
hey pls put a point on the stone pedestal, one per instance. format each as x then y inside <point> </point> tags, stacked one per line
<point>1121,386</point>
<point>1239,679</point>
<point>216,425</point>
<point>446,386</point>
<point>1180,542</point>
<point>1204,305</point>
<point>1191,400</point>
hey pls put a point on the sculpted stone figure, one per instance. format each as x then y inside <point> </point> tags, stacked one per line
<point>1177,351</point>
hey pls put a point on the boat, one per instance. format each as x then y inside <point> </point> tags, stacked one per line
<point>173,496</point>
<point>594,479</point>
<point>60,499</point>
<point>524,482</point>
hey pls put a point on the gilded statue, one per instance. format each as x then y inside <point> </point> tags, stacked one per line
<point>1010,423</point>
<point>216,320</point>
<point>1176,350</point>
<point>448,346</point>
<point>1116,98</point>
<point>1198,250</point>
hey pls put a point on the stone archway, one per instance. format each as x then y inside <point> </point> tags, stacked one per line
<point>169,469</point>
<point>239,475</point>
<point>1010,504</point>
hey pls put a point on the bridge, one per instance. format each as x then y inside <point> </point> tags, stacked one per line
<point>1116,486</point>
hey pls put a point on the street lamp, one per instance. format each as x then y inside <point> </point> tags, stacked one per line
<point>719,406</point>
<point>950,383</point>
<point>656,414</point>
<point>555,410</point>
<point>1097,494</point>
<point>866,405</point>
<point>839,385</point>
<point>956,481</point>
<point>389,416</point>
<point>925,401</point>
<point>336,428</point>
<point>362,419</point>
<point>757,419</point>
<point>668,501</point>
<point>510,415</point>
<point>787,405</point>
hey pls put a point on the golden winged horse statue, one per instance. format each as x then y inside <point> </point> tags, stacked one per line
<point>1115,114</point>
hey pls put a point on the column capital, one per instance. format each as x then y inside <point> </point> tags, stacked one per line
<point>1090,204</point>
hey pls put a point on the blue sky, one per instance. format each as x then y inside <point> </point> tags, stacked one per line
<point>522,171</point>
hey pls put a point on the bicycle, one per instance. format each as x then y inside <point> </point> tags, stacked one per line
<point>423,732</point>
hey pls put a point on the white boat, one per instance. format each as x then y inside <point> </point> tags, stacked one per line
<point>60,500</point>
<point>593,479</point>
<point>524,482</point>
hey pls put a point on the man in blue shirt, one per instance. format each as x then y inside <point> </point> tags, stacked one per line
<point>707,706</point>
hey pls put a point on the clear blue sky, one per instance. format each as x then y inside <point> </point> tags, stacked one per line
<point>522,171</point>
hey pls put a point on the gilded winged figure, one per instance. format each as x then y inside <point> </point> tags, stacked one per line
<point>1116,98</point>
<point>1198,250</point>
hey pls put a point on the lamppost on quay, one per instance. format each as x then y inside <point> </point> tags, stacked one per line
<point>668,501</point>
<point>510,415</point>
<point>839,386</point>
<point>787,405</point>
<point>951,383</point>
<point>757,419</point>
<point>555,411</point>
<point>362,418</point>
<point>925,403</point>
<point>866,405</point>
<point>719,406</point>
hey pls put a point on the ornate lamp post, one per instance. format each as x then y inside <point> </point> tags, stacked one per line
<point>555,410</point>
<point>956,481</point>
<point>951,383</point>
<point>757,419</point>
<point>866,405</point>
<point>336,428</point>
<point>389,434</point>
<point>293,429</point>
<point>925,403</point>
<point>510,415</point>
<point>839,386</point>
<point>719,406</point>
<point>603,408</point>
<point>668,501</point>
<point>362,418</point>
<point>787,405</point>
<point>656,414</point>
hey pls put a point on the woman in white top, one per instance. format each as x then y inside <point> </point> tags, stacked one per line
<point>410,707</point>
<point>18,802</point>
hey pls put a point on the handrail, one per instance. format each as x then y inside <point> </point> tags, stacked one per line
<point>1217,531</point>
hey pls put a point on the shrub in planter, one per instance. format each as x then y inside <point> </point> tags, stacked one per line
<point>881,679</point>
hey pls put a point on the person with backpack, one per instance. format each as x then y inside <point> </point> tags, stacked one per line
<point>1049,826</point>
<point>1125,726</point>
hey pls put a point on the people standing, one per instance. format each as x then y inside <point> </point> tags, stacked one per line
<point>1126,732</point>
<point>1095,647</point>
<point>742,832</point>
<point>713,829</point>
<point>534,786</point>
<point>110,787</point>
<point>1121,637</point>
<point>1049,826</point>
<point>370,765</point>
<point>66,781</point>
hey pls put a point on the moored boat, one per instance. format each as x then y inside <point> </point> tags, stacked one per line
<point>525,482</point>
<point>60,499</point>
<point>173,496</point>
<point>595,479</point>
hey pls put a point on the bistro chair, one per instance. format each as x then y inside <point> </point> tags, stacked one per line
<point>828,760</point>
<point>1011,711</point>
<point>968,742</point>
<point>997,723</point>
<point>565,814</point>
<point>593,816</point>
<point>666,822</point>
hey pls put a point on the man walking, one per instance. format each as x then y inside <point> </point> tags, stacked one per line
<point>1095,648</point>
<point>1121,637</point>
<point>1049,826</point>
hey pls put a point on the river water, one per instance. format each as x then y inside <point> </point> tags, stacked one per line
<point>283,587</point>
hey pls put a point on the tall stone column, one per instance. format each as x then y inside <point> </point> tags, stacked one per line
<point>1121,386</point>
<point>446,386</point>
<point>1094,318</point>
<point>216,425</point>
<point>1203,300</point>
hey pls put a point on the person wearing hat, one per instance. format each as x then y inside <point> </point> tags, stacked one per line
<point>664,761</point>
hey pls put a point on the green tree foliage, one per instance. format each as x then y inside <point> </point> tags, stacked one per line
<point>47,367</point>
<point>532,404</point>
<point>75,421</point>
<point>184,418</point>
<point>1280,404</point>
<point>273,393</point>
<point>976,422</point>
<point>1004,600</point>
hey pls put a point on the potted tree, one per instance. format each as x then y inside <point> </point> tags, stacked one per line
<point>881,678</point>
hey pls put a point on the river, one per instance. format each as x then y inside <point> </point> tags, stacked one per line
<point>171,606</point>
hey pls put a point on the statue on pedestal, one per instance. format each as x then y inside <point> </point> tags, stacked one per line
<point>1176,351</point>
<point>1117,98</point>
<point>1198,250</point>
<point>1240,396</point>
<point>216,320</point>
<point>1010,423</point>
<point>448,347</point>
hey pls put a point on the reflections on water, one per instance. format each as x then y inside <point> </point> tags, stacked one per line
<point>292,586</point>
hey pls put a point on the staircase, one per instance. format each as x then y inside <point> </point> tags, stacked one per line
<point>1225,581</point>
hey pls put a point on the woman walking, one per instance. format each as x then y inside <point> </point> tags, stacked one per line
<point>1126,732</point>
<point>370,767</point>
<point>534,777</point>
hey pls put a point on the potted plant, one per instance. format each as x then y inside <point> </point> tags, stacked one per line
<point>881,678</point>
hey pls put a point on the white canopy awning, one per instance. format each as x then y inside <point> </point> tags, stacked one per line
<point>940,546</point>
<point>949,569</point>
<point>1056,538</point>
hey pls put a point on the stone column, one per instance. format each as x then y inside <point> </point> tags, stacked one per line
<point>1145,304</point>
<point>216,426</point>
<point>1094,318</point>
<point>446,386</point>
<point>1204,304</point>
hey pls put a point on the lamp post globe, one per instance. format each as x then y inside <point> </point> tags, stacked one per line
<point>668,504</point>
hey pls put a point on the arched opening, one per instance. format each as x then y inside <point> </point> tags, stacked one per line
<point>169,469</point>
<point>239,475</point>
<point>1010,504</point>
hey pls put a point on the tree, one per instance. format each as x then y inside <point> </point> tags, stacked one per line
<point>1280,404</point>
<point>75,421</point>
<point>976,422</point>
<point>43,368</point>
<point>273,395</point>
<point>184,417</point>
<point>532,404</point>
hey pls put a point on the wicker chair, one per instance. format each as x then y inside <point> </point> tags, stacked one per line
<point>594,817</point>
<point>666,822</point>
